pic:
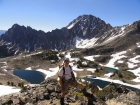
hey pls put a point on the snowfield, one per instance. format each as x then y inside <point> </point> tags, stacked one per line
<point>5,90</point>
<point>115,57</point>
<point>29,68</point>
<point>85,43</point>
<point>50,72</point>
<point>91,69</point>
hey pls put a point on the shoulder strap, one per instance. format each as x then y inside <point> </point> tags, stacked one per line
<point>70,67</point>
<point>63,70</point>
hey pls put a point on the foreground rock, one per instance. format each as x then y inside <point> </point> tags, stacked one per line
<point>48,93</point>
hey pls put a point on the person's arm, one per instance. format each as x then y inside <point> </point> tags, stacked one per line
<point>60,78</point>
<point>61,82</point>
<point>73,76</point>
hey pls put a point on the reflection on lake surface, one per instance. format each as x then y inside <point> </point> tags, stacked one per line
<point>34,77</point>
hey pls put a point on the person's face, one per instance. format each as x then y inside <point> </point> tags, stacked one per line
<point>66,62</point>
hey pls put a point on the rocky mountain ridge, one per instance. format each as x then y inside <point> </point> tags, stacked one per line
<point>2,32</point>
<point>48,92</point>
<point>21,38</point>
<point>85,31</point>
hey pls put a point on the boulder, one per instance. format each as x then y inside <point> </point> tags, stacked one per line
<point>93,88</point>
<point>50,88</point>
<point>46,96</point>
<point>131,98</point>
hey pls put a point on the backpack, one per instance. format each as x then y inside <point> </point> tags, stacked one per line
<point>63,77</point>
<point>64,69</point>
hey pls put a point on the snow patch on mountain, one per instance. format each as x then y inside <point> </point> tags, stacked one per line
<point>33,54</point>
<point>114,35</point>
<point>122,31</point>
<point>132,62</point>
<point>135,59</point>
<point>120,61</point>
<point>138,44</point>
<point>69,27</point>
<point>16,51</point>
<point>91,69</point>
<point>91,58</point>
<point>115,57</point>
<point>72,25</point>
<point>108,75</point>
<point>29,68</point>
<point>131,65</point>
<point>137,73</point>
<point>85,43</point>
<point>4,90</point>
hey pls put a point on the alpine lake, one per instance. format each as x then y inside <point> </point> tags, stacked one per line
<point>35,77</point>
<point>32,76</point>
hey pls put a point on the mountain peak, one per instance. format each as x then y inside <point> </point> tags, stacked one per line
<point>88,26</point>
<point>85,31</point>
<point>15,25</point>
<point>86,19</point>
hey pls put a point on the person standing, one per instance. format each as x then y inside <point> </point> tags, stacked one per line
<point>67,78</point>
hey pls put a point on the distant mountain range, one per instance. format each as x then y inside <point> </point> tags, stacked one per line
<point>85,31</point>
<point>2,32</point>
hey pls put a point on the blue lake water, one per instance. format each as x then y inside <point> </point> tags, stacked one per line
<point>8,69</point>
<point>102,84</point>
<point>110,70</point>
<point>34,77</point>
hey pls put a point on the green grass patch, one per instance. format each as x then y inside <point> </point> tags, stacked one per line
<point>78,94</point>
<point>124,74</point>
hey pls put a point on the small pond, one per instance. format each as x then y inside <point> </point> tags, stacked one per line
<point>110,70</point>
<point>102,84</point>
<point>34,77</point>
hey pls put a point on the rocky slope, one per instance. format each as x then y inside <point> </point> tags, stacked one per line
<point>48,93</point>
<point>116,39</point>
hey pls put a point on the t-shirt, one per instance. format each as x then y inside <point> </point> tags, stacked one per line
<point>67,72</point>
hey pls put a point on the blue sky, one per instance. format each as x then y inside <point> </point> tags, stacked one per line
<point>48,15</point>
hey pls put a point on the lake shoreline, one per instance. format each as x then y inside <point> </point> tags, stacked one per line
<point>100,78</point>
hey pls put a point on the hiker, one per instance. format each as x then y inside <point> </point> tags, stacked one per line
<point>67,79</point>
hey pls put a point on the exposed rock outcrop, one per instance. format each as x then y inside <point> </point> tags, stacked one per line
<point>48,93</point>
<point>20,38</point>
